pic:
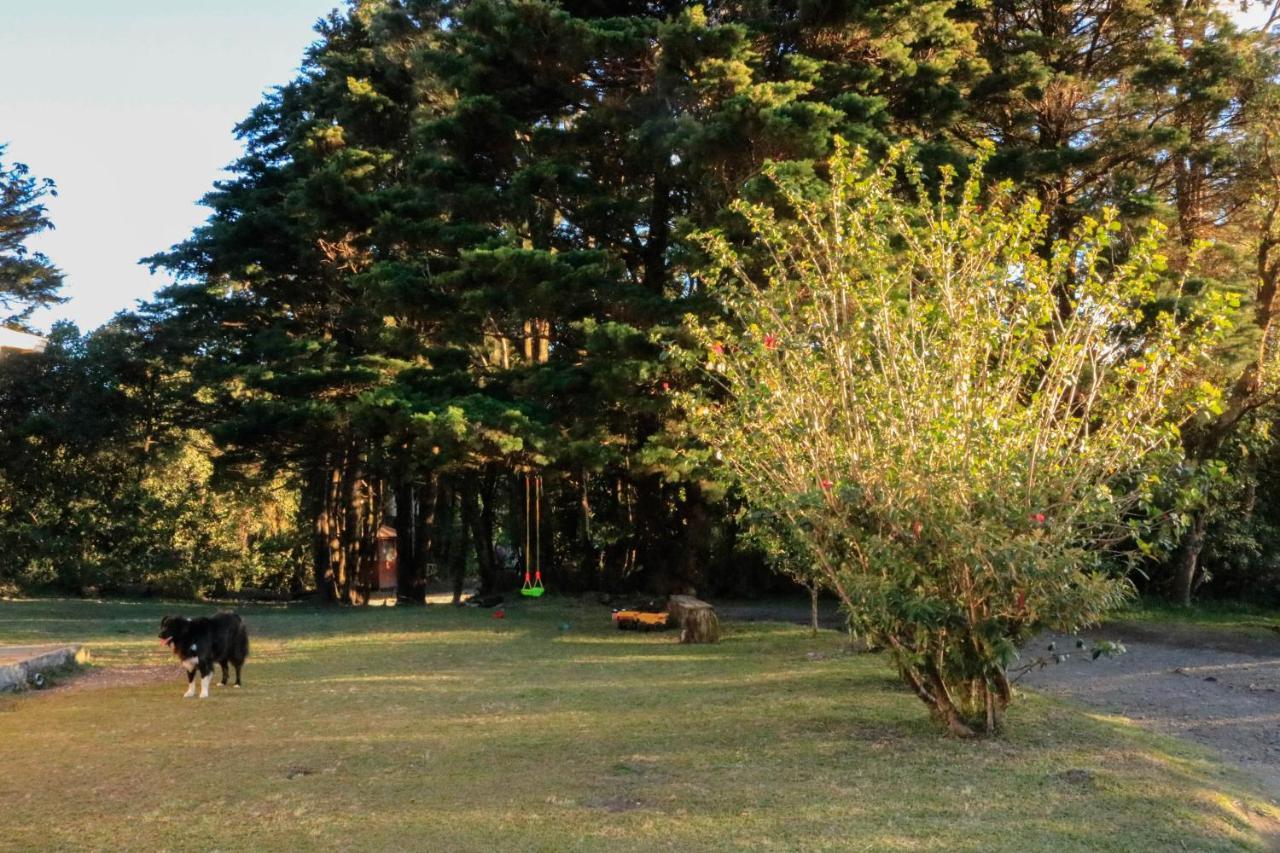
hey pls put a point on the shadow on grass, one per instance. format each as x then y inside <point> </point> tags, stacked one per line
<point>437,729</point>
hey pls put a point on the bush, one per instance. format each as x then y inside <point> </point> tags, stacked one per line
<point>952,421</point>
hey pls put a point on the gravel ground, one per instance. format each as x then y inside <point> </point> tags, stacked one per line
<point>1204,685</point>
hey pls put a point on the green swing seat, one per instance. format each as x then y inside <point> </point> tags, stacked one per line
<point>533,589</point>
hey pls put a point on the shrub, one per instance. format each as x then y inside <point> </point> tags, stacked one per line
<point>952,418</point>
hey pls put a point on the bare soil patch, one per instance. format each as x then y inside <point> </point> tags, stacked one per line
<point>101,677</point>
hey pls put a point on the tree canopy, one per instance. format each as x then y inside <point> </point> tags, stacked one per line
<point>28,279</point>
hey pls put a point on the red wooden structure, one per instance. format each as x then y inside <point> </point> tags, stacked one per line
<point>386,557</point>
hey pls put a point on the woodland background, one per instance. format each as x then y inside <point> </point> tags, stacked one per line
<point>456,255</point>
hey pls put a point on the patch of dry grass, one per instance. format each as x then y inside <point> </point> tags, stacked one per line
<point>444,729</point>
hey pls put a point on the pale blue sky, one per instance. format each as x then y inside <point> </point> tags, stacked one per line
<point>129,106</point>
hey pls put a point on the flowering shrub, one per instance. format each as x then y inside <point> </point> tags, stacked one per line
<point>953,422</point>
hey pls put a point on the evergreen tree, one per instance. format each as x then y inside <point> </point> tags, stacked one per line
<point>457,246</point>
<point>552,196</point>
<point>276,275</point>
<point>1161,110</point>
<point>28,279</point>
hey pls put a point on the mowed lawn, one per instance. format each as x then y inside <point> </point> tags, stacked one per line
<point>445,729</point>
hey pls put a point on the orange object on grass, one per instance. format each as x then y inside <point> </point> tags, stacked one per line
<point>640,621</point>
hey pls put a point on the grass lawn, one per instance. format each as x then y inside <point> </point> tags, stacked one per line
<point>444,729</point>
<point>1226,615</point>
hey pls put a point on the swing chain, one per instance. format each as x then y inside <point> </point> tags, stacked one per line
<point>532,586</point>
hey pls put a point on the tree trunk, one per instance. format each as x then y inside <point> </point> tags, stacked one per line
<point>412,541</point>
<point>352,509</point>
<point>317,497</point>
<point>697,527</point>
<point>435,537</point>
<point>406,537</point>
<point>813,607</point>
<point>337,518</point>
<point>480,526</point>
<point>335,576</point>
<point>655,248</point>
<point>944,706</point>
<point>544,341</point>
<point>516,518</point>
<point>696,618</point>
<point>589,559</point>
<point>459,546</point>
<point>649,536</point>
<point>1244,396</point>
<point>1186,560</point>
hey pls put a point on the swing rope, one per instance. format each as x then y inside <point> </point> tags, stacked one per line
<point>533,586</point>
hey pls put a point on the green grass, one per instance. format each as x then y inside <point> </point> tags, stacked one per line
<point>1210,614</point>
<point>444,729</point>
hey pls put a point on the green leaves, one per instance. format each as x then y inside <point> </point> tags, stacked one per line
<point>993,415</point>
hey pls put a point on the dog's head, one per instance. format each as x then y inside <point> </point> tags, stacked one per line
<point>173,632</point>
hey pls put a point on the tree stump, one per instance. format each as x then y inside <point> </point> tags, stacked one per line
<point>696,618</point>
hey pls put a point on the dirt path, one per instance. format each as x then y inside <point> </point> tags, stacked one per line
<point>1216,688</point>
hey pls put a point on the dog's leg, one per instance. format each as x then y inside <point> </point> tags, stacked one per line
<point>238,673</point>
<point>190,666</point>
<point>206,675</point>
<point>223,683</point>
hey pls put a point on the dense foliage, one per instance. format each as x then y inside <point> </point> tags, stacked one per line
<point>457,251</point>
<point>953,426</point>
<point>444,263</point>
<point>101,489</point>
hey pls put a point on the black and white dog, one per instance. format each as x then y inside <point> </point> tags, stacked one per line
<point>201,642</point>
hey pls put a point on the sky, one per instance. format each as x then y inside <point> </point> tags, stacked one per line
<point>129,106</point>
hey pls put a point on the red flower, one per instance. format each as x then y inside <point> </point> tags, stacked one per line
<point>1142,368</point>
<point>666,386</point>
<point>1038,518</point>
<point>770,342</point>
<point>717,348</point>
<point>827,484</point>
